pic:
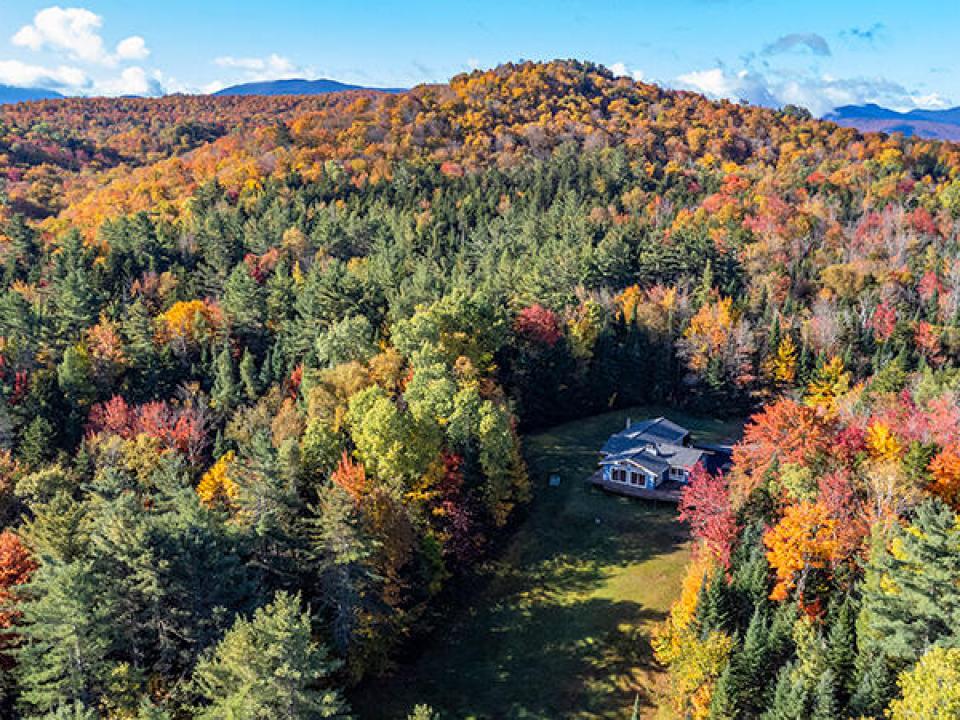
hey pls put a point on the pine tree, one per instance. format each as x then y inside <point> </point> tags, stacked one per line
<point>876,684</point>
<point>912,598</point>
<point>65,625</point>
<point>713,606</point>
<point>269,667</point>
<point>225,394</point>
<point>789,697</point>
<point>342,552</point>
<point>825,706</point>
<point>37,442</point>
<point>723,702</point>
<point>751,667</point>
<point>423,712</point>
<point>842,650</point>
<point>248,376</point>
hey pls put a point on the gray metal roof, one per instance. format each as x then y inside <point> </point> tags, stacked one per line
<point>657,430</point>
<point>653,444</point>
<point>644,459</point>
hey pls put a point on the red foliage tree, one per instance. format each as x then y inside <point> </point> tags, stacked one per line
<point>884,321</point>
<point>705,506</point>
<point>177,427</point>
<point>539,325</point>
<point>16,567</point>
<point>783,432</point>
<point>843,504</point>
<point>351,476</point>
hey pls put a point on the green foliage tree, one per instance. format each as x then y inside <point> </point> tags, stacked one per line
<point>269,667</point>
<point>63,658</point>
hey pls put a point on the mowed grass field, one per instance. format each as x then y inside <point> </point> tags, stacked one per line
<point>558,624</point>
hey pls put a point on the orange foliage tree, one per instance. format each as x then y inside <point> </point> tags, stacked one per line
<point>802,542</point>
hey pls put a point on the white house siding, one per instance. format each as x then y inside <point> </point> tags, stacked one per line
<point>630,475</point>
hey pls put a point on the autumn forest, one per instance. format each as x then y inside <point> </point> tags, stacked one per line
<point>267,365</point>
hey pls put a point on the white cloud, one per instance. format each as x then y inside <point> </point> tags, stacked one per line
<point>133,48</point>
<point>810,42</point>
<point>64,77</point>
<point>272,67</point>
<point>76,32</point>
<point>132,81</point>
<point>718,83</point>
<point>621,70</point>
<point>932,101</point>
<point>818,93</point>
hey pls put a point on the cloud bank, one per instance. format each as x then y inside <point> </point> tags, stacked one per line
<point>73,36</point>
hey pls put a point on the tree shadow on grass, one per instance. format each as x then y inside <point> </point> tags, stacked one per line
<point>531,638</point>
<point>531,660</point>
<point>538,631</point>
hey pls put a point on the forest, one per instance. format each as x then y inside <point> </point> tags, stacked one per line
<point>266,365</point>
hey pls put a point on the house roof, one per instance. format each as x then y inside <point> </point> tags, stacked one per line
<point>641,458</point>
<point>657,431</point>
<point>658,457</point>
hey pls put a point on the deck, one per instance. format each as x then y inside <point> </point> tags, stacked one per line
<point>669,491</point>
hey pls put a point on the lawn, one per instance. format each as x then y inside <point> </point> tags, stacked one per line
<point>559,622</point>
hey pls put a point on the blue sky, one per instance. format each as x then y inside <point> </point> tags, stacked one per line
<point>818,53</point>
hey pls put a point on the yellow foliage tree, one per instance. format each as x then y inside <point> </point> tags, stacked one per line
<point>931,689</point>
<point>805,539</point>
<point>882,443</point>
<point>783,365</point>
<point>831,382</point>
<point>189,322</point>
<point>216,487</point>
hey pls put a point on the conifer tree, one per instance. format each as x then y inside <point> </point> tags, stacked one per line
<point>789,697</point>
<point>269,667</point>
<point>65,637</point>
<point>225,394</point>
<point>248,376</point>
<point>842,650</point>
<point>825,706</point>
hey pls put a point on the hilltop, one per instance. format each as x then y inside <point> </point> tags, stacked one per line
<point>296,86</point>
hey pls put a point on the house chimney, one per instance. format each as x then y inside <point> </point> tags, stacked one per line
<point>628,423</point>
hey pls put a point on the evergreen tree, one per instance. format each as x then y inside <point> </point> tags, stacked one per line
<point>65,628</point>
<point>790,700</point>
<point>842,650</point>
<point>248,376</point>
<point>713,606</point>
<point>825,706</point>
<point>723,702</point>
<point>342,552</point>
<point>225,393</point>
<point>268,667</point>
<point>912,597</point>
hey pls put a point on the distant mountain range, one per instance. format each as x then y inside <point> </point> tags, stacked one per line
<point>297,87</point>
<point>932,124</point>
<point>10,94</point>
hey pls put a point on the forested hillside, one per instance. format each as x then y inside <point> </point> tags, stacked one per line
<point>265,366</point>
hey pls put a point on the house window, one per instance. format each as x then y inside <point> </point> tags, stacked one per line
<point>635,479</point>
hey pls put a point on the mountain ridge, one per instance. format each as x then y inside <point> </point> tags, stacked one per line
<point>11,94</point>
<point>929,124</point>
<point>297,86</point>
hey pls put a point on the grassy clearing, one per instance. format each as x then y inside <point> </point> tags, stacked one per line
<point>559,624</point>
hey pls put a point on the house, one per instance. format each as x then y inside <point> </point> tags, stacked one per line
<point>655,454</point>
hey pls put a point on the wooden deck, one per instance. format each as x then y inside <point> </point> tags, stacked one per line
<point>669,491</point>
